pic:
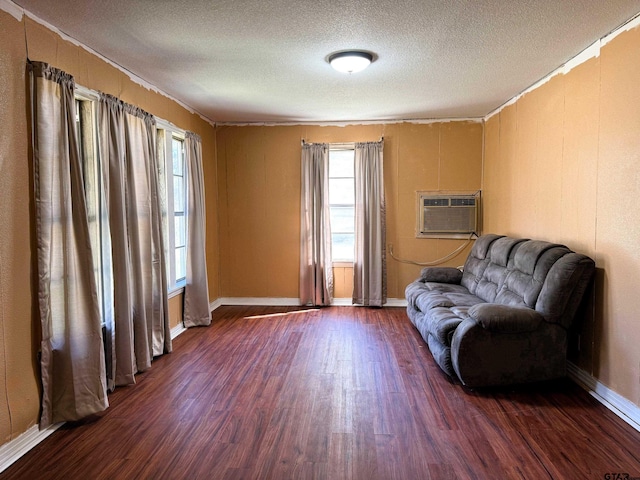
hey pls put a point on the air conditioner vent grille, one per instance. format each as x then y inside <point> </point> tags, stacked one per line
<point>436,202</point>
<point>447,214</point>
<point>463,202</point>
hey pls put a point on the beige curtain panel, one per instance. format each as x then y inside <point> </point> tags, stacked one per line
<point>369,267</point>
<point>139,329</point>
<point>72,355</point>
<point>316,270</point>
<point>196,290</point>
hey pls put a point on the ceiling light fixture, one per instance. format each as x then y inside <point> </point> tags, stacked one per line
<point>351,61</point>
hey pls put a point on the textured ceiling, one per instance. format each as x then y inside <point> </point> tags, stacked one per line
<point>265,60</point>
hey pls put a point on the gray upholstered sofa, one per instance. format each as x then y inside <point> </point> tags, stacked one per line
<point>504,318</point>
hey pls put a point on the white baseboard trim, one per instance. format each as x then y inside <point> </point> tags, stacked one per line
<point>396,302</point>
<point>259,301</point>
<point>625,409</point>
<point>12,451</point>
<point>215,304</point>
<point>290,302</point>
<point>177,330</point>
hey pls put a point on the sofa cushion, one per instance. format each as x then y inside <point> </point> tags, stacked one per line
<point>531,264</point>
<point>505,319</point>
<point>477,261</point>
<point>417,289</point>
<point>501,257</point>
<point>435,298</point>
<point>427,301</point>
<point>445,287</point>
<point>441,275</point>
<point>413,290</point>
<point>441,354</point>
<point>442,321</point>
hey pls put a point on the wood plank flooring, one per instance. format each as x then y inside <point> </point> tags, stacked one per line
<point>334,393</point>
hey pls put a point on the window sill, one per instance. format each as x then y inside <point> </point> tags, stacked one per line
<point>342,264</point>
<point>178,289</point>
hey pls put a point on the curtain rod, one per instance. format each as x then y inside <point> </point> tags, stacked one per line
<point>303,142</point>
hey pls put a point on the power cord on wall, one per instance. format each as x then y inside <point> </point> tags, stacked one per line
<point>434,262</point>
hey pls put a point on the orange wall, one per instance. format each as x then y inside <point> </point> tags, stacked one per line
<point>19,323</point>
<point>259,172</point>
<point>562,163</point>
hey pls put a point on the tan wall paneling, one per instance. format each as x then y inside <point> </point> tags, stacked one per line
<point>391,181</point>
<point>460,156</point>
<point>282,211</point>
<point>19,324</point>
<point>491,200</point>
<point>522,193</point>
<point>175,310</point>
<point>42,42</point>
<point>243,262</point>
<point>508,171</point>
<point>259,177</point>
<point>100,75</point>
<point>223,135</point>
<point>19,394</point>
<point>342,282</point>
<point>618,221</point>
<point>579,184</point>
<point>134,93</point>
<point>580,157</point>
<point>565,158</point>
<point>545,185</point>
<point>209,153</point>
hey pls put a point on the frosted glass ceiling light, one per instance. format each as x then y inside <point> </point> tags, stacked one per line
<point>351,61</point>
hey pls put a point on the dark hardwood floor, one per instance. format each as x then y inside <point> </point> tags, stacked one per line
<point>336,393</point>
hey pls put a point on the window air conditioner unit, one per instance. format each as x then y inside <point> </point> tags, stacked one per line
<point>450,216</point>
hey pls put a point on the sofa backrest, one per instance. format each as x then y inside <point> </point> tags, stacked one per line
<point>526,276</point>
<point>564,288</point>
<point>501,257</point>
<point>547,277</point>
<point>544,276</point>
<point>477,261</point>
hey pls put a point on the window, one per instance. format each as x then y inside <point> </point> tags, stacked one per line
<point>171,148</point>
<point>179,218</point>
<point>342,202</point>
<point>86,131</point>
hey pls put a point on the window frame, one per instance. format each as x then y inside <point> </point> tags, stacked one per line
<point>95,206</point>
<point>337,261</point>
<point>175,285</point>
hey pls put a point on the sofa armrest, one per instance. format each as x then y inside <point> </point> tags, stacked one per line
<point>441,275</point>
<point>483,358</point>
<point>505,318</point>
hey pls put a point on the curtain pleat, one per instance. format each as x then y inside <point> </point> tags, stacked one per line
<point>316,271</point>
<point>72,357</point>
<point>196,290</point>
<point>139,329</point>
<point>369,268</point>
